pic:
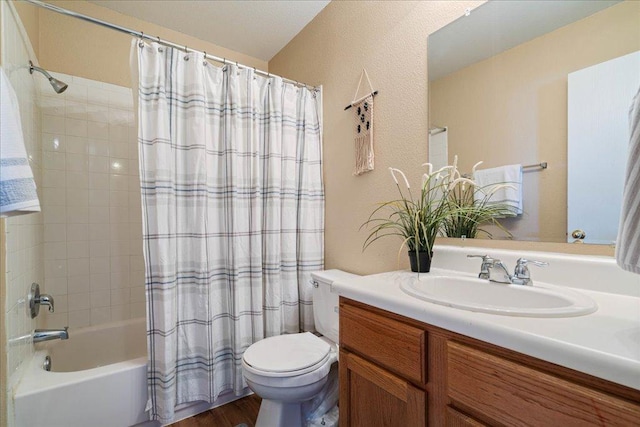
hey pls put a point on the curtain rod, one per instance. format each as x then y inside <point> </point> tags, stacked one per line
<point>142,35</point>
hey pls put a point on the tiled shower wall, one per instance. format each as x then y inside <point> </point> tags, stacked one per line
<point>93,262</point>
<point>24,233</point>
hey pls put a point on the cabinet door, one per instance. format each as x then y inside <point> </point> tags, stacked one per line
<point>371,396</point>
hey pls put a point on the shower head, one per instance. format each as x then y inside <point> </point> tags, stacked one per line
<point>56,84</point>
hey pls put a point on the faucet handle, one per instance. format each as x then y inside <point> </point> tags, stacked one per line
<point>487,262</point>
<point>485,258</point>
<point>521,273</point>
<point>45,299</point>
<point>522,262</point>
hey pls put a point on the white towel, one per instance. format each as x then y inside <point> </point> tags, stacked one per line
<point>628,244</point>
<point>511,196</point>
<point>17,188</point>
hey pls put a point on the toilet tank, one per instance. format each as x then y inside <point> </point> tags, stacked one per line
<point>325,303</point>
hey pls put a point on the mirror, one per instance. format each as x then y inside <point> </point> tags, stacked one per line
<point>502,90</point>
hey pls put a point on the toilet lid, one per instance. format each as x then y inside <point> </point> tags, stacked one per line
<point>287,353</point>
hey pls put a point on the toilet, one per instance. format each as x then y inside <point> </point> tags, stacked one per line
<point>288,370</point>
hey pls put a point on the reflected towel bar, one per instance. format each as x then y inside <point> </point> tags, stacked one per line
<point>542,165</point>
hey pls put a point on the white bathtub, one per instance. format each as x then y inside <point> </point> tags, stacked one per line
<point>98,378</point>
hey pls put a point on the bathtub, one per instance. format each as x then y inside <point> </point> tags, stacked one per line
<point>98,378</point>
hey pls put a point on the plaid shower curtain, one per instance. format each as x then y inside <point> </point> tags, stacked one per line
<point>233,218</point>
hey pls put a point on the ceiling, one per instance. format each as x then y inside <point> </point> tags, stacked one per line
<point>497,26</point>
<point>259,28</point>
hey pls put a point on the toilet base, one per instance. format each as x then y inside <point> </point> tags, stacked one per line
<point>279,414</point>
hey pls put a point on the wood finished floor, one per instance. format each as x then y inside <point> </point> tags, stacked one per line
<point>243,410</point>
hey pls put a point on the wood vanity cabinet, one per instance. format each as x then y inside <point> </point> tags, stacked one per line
<point>395,371</point>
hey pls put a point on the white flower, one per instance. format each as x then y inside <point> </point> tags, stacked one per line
<point>462,181</point>
<point>393,170</point>
<point>473,169</point>
<point>430,166</point>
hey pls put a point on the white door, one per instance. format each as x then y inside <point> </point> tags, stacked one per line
<point>599,98</point>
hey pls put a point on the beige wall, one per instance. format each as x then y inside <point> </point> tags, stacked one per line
<point>29,17</point>
<point>512,108</point>
<point>71,46</point>
<point>389,39</point>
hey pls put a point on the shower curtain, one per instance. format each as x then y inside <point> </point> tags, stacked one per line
<point>233,218</point>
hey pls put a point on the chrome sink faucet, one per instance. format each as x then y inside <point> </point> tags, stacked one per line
<point>495,270</point>
<point>40,335</point>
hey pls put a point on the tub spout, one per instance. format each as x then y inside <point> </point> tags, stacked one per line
<point>40,335</point>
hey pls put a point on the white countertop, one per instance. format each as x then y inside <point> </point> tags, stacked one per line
<point>605,344</point>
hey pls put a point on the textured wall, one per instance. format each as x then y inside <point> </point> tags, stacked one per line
<point>389,39</point>
<point>71,46</point>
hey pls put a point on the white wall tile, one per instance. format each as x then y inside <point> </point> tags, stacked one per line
<point>75,127</point>
<point>54,197</point>
<point>120,312</point>
<point>76,144</point>
<point>55,233</point>
<point>137,294</point>
<point>98,147</point>
<point>120,296</point>
<point>99,181</point>
<point>78,284</point>
<point>53,124</point>
<point>79,319</point>
<point>97,130</point>
<point>78,266</point>
<point>77,162</point>
<point>138,309</point>
<point>78,249</point>
<point>78,301</point>
<point>54,160</point>
<point>100,299</point>
<point>55,286</point>
<point>98,232</point>
<point>91,206</point>
<point>53,178</point>
<point>100,315</point>
<point>100,282</point>
<point>77,231</point>
<point>100,265</point>
<point>99,198</point>
<point>55,215</point>
<point>55,250</point>
<point>77,197</point>
<point>119,165</point>
<point>53,142</point>
<point>77,180</point>
<point>98,215</point>
<point>78,214</point>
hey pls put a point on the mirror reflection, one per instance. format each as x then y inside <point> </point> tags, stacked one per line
<point>536,82</point>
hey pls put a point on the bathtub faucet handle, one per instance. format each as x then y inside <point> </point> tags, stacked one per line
<point>46,300</point>
<point>36,299</point>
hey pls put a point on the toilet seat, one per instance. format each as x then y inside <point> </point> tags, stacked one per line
<point>287,355</point>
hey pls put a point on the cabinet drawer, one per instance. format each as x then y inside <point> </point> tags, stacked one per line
<point>399,347</point>
<point>454,418</point>
<point>513,394</point>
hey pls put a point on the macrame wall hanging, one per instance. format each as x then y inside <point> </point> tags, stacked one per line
<point>363,109</point>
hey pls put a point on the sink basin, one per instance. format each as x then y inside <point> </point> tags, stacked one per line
<point>473,294</point>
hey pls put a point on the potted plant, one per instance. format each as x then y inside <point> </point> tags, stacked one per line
<point>445,204</point>
<point>471,207</point>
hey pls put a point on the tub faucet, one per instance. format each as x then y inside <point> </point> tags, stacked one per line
<point>40,335</point>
